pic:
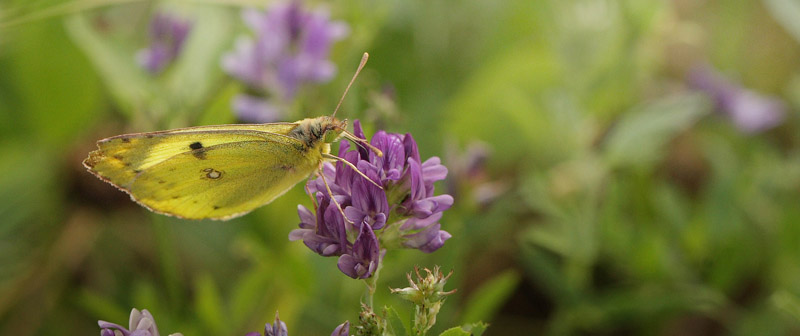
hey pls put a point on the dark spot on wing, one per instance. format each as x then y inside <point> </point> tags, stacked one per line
<point>216,207</point>
<point>118,157</point>
<point>176,197</point>
<point>136,171</point>
<point>197,150</point>
<point>212,173</point>
<point>162,182</point>
<point>125,140</point>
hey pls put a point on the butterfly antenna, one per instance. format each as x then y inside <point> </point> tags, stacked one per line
<point>360,66</point>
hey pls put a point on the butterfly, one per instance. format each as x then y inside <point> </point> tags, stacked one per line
<point>221,171</point>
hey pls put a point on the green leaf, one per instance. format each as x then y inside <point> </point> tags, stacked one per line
<point>475,329</point>
<point>249,294</point>
<point>787,303</point>
<point>49,88</point>
<point>639,138</point>
<point>114,62</point>
<point>787,13</point>
<point>102,307</point>
<point>395,323</point>
<point>486,300</point>
<point>208,305</point>
<point>197,75</point>
<point>455,331</point>
<point>521,123</point>
<point>176,97</point>
<point>30,211</point>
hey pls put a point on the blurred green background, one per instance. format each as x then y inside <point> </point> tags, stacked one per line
<point>616,198</point>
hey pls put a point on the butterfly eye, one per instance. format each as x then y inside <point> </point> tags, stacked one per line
<point>331,135</point>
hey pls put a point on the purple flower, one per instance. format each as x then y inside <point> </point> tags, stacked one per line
<point>364,258</point>
<point>342,330</point>
<point>255,109</point>
<point>429,239</point>
<point>750,111</point>
<point>324,233</point>
<point>278,328</point>
<point>141,323</point>
<point>393,194</point>
<point>468,173</point>
<point>369,201</point>
<point>167,36</point>
<point>290,48</point>
<point>421,203</point>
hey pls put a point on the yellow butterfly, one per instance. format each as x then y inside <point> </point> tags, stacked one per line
<point>222,171</point>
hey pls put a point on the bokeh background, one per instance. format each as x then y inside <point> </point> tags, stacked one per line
<point>620,167</point>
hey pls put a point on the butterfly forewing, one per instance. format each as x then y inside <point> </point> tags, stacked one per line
<point>230,180</point>
<point>120,158</point>
<point>205,172</point>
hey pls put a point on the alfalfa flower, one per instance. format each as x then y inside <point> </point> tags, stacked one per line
<point>141,323</point>
<point>750,111</point>
<point>167,36</point>
<point>362,261</point>
<point>278,328</point>
<point>342,329</point>
<point>289,48</point>
<point>390,202</point>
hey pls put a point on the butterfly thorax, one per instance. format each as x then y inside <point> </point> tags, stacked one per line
<point>318,132</point>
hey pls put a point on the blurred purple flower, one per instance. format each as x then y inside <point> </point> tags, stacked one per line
<point>255,109</point>
<point>342,330</point>
<point>290,48</point>
<point>468,174</point>
<point>403,212</point>
<point>167,36</point>
<point>750,111</point>
<point>141,323</point>
<point>277,328</point>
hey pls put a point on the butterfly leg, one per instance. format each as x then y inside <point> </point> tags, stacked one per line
<point>361,142</point>
<point>334,157</point>
<point>308,191</point>
<point>330,193</point>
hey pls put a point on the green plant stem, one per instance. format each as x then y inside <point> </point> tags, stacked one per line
<point>372,285</point>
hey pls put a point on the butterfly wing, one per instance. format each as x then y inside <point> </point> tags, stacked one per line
<point>120,158</point>
<point>199,173</point>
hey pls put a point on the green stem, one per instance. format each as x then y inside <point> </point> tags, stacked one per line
<point>372,285</point>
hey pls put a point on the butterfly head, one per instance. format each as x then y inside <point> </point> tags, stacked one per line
<point>332,129</point>
<point>320,130</point>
